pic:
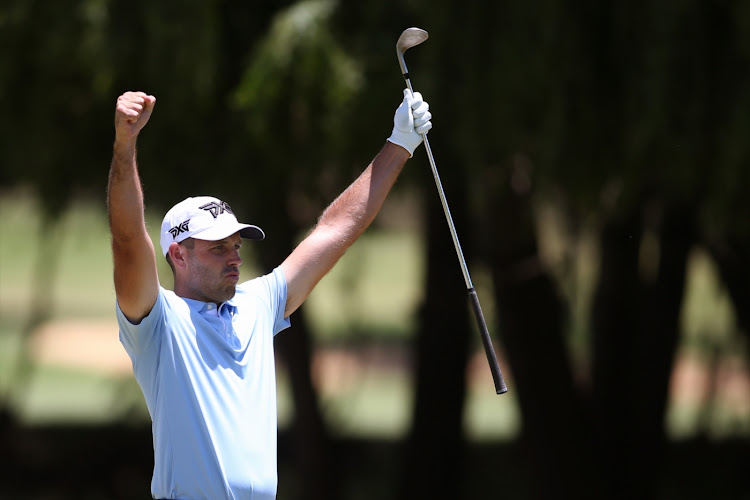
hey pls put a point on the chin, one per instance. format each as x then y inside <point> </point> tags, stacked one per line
<point>229,293</point>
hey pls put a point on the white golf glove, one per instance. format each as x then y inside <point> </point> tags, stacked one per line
<point>411,120</point>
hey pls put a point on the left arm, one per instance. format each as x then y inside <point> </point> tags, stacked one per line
<point>352,212</point>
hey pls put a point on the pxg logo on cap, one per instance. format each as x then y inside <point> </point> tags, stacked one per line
<point>203,218</point>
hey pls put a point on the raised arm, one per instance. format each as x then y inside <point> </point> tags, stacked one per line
<point>352,212</point>
<point>135,275</point>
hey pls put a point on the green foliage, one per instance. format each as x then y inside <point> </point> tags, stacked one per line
<point>298,45</point>
<point>615,107</point>
<point>295,96</point>
<point>52,76</point>
<point>650,95</point>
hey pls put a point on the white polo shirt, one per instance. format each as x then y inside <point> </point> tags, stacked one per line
<point>209,380</point>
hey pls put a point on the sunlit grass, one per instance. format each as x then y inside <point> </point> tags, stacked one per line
<point>370,296</point>
<point>369,299</point>
<point>376,287</point>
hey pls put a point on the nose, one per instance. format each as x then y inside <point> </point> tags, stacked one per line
<point>235,259</point>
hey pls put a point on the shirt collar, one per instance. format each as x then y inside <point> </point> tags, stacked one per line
<point>210,307</point>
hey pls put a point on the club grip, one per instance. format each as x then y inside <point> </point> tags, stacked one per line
<point>497,375</point>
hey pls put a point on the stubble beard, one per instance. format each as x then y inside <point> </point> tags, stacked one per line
<point>213,289</point>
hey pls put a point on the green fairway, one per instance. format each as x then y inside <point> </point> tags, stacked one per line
<point>362,316</point>
<point>365,305</point>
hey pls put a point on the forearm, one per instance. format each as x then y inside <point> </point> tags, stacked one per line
<point>352,212</point>
<point>341,224</point>
<point>355,209</point>
<point>124,194</point>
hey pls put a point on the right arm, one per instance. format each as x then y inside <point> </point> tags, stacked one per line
<point>135,275</point>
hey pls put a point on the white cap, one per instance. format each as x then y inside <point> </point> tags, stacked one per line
<point>203,218</point>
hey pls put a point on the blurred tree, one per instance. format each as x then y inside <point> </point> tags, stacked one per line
<point>502,61</point>
<point>53,75</point>
<point>633,114</point>
<point>621,109</point>
<point>65,63</point>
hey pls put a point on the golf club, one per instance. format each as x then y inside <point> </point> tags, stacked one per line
<point>408,39</point>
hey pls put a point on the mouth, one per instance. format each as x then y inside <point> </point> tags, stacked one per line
<point>233,276</point>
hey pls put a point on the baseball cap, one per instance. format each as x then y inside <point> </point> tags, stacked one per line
<point>203,218</point>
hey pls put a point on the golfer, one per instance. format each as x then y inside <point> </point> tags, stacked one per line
<point>203,353</point>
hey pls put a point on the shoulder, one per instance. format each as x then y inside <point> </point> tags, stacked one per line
<point>270,290</point>
<point>264,297</point>
<point>268,283</point>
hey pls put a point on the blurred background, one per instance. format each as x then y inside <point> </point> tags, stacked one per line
<point>595,158</point>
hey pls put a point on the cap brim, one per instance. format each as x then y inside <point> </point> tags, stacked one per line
<point>246,231</point>
<point>252,233</point>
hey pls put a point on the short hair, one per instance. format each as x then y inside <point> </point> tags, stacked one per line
<point>188,243</point>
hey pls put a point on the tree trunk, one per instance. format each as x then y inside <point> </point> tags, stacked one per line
<point>531,322</point>
<point>656,343</point>
<point>636,329</point>
<point>435,446</point>
<point>615,311</point>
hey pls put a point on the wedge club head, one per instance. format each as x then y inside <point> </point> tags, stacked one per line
<point>408,39</point>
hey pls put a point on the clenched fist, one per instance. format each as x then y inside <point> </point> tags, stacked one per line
<point>132,113</point>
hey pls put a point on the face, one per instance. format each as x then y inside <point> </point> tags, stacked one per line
<point>211,270</point>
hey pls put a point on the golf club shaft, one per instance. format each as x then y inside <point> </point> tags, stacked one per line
<point>489,350</point>
<point>444,202</point>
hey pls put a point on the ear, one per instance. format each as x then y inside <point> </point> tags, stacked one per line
<point>178,254</point>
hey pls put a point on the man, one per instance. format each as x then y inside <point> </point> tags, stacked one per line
<point>203,353</point>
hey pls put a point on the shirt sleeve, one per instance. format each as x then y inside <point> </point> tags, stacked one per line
<point>137,338</point>
<point>278,296</point>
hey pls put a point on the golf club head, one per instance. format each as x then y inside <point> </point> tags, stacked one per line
<point>408,39</point>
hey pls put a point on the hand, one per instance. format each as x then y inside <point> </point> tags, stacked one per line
<point>411,122</point>
<point>131,114</point>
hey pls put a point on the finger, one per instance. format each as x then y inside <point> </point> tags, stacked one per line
<point>134,105</point>
<point>130,95</point>
<point>150,101</point>
<point>416,100</point>
<point>420,110</point>
<point>423,128</point>
<point>408,97</point>
<point>130,110</point>
<point>422,119</point>
<point>130,101</point>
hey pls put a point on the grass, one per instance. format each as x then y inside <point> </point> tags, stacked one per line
<point>370,296</point>
<point>375,287</point>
